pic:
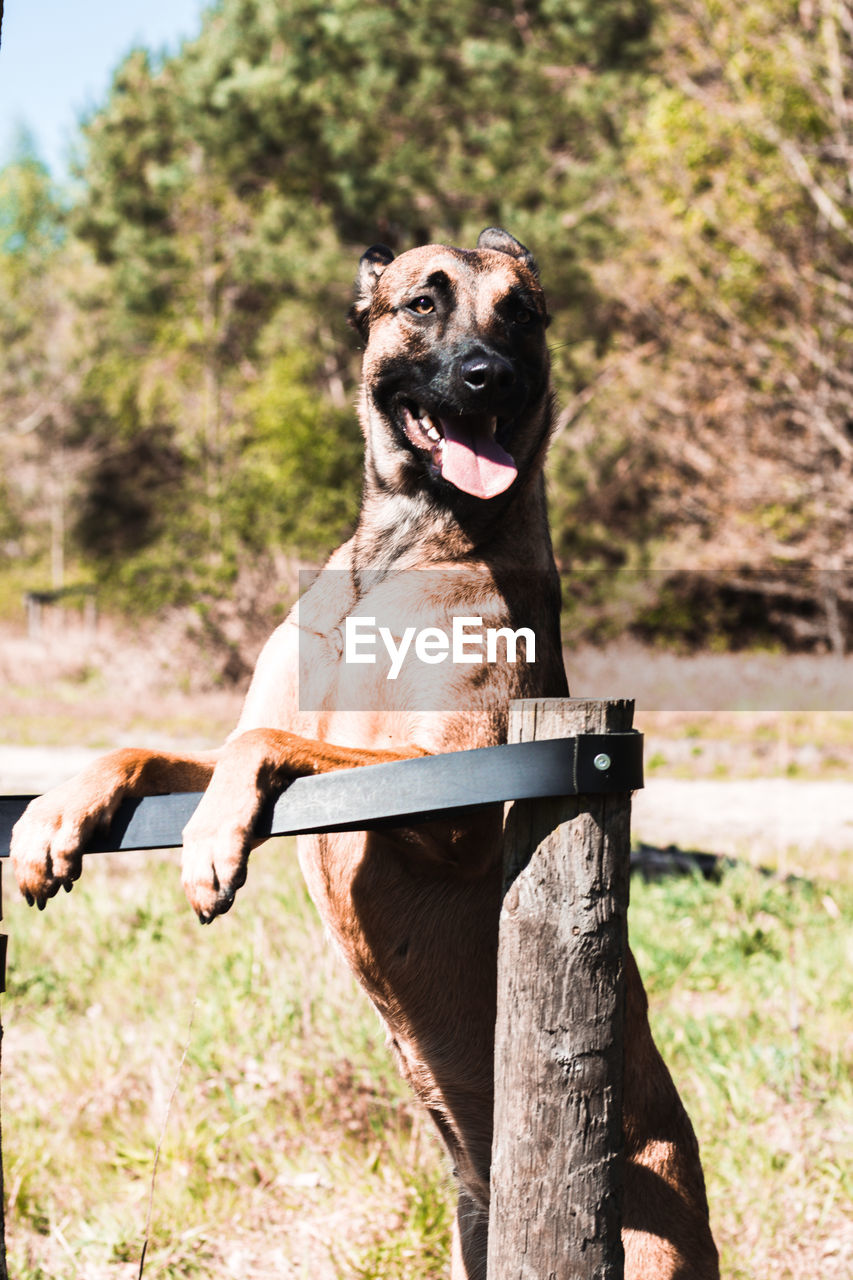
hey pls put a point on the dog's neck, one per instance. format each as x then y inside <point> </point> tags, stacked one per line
<point>414,529</point>
<point>407,523</point>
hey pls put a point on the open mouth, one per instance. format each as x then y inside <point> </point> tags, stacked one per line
<point>462,448</point>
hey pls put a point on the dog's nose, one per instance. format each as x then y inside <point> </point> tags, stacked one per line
<point>487,372</point>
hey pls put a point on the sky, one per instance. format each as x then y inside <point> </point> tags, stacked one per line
<point>57,58</point>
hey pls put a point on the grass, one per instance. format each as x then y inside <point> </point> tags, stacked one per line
<point>86,712</point>
<point>292,1149</point>
<point>812,745</point>
<point>751,986</point>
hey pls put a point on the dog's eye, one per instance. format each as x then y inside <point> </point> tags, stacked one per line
<point>422,306</point>
<point>522,314</point>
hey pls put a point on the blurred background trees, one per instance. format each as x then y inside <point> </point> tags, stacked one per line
<point>729,375</point>
<point>177,378</point>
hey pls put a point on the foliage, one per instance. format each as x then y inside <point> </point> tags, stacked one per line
<point>724,405</point>
<point>39,367</point>
<point>225,195</point>
<point>176,323</point>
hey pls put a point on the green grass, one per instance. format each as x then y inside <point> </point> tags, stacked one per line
<point>88,713</point>
<point>751,987</point>
<point>292,1149</point>
<point>748,744</point>
<point>287,1113</point>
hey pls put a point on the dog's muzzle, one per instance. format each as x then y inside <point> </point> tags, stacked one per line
<point>463,449</point>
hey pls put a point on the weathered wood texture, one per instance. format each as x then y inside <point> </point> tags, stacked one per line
<point>557,1155</point>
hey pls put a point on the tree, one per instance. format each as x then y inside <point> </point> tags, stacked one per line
<point>227,193</point>
<point>39,369</point>
<point>722,420</point>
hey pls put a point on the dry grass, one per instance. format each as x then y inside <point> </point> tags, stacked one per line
<point>119,686</point>
<point>712,715</point>
<point>660,680</point>
<point>291,1149</point>
<point>750,986</point>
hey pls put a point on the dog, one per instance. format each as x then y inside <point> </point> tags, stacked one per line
<point>456,409</point>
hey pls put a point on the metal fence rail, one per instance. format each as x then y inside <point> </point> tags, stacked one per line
<point>390,794</point>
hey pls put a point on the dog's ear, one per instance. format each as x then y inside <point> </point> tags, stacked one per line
<point>371,265</point>
<point>500,240</point>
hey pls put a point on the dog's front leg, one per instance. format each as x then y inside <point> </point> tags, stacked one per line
<point>49,838</point>
<point>470,1240</point>
<point>253,765</point>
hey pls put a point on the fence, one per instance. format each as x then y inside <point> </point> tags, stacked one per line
<point>40,603</point>
<point>567,773</point>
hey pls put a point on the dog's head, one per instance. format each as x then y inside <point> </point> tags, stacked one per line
<point>455,392</point>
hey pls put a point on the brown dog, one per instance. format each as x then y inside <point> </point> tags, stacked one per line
<point>456,411</point>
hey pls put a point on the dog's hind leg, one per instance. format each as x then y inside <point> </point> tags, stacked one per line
<point>470,1240</point>
<point>48,839</point>
<point>666,1232</point>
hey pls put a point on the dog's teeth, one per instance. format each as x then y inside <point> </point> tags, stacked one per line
<point>493,426</point>
<point>433,432</point>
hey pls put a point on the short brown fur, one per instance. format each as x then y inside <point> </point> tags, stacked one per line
<point>415,912</point>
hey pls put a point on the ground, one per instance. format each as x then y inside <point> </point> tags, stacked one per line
<point>289,1148</point>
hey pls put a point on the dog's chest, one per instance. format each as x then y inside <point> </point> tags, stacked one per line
<point>400,918</point>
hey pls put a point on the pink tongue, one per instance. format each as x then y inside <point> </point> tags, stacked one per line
<point>474,462</point>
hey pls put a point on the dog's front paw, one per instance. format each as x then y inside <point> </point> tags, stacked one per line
<point>213,867</point>
<point>46,846</point>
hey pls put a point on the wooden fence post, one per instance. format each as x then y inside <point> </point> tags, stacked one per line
<point>557,1172</point>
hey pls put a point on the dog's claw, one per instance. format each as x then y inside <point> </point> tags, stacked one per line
<point>46,843</point>
<point>213,868</point>
<point>223,902</point>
